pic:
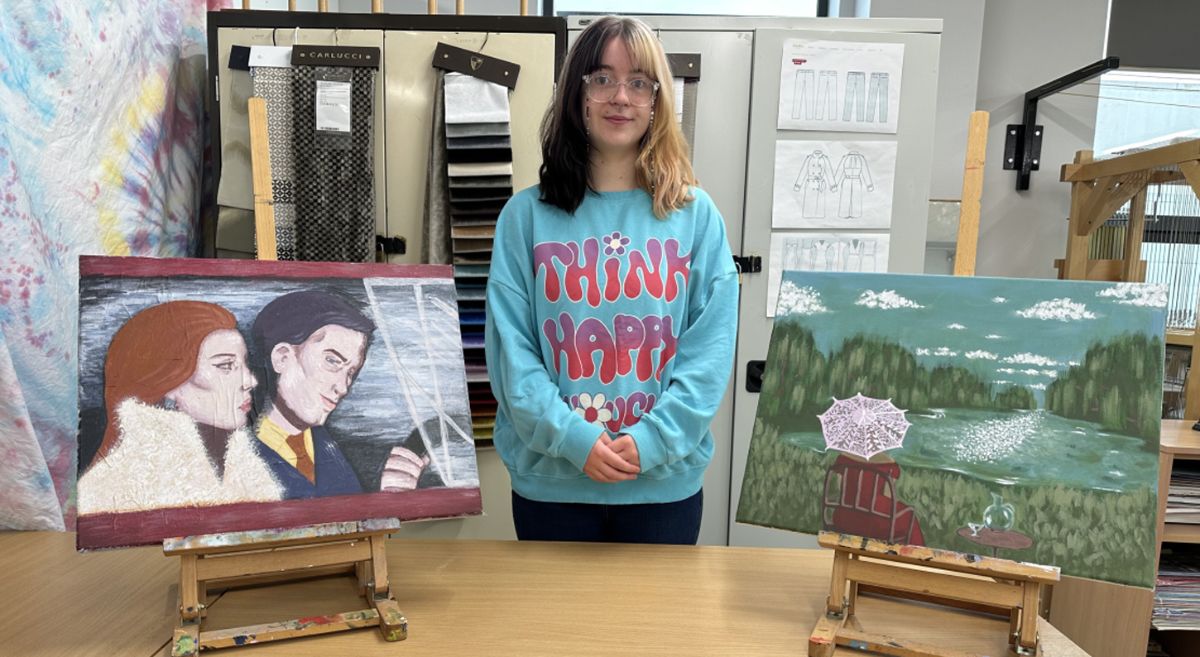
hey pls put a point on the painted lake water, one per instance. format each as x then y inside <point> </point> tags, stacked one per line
<point>1025,448</point>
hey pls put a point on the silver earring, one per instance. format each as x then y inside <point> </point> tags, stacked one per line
<point>587,121</point>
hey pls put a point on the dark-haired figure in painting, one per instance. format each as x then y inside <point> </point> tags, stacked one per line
<point>313,345</point>
<point>177,391</point>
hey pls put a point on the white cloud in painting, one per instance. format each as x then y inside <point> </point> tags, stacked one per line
<point>999,300</point>
<point>981,354</point>
<point>1053,374</point>
<point>1031,372</point>
<point>1137,294</point>
<point>795,300</point>
<point>940,351</point>
<point>885,300</point>
<point>993,336</point>
<point>1002,383</point>
<point>1031,359</point>
<point>1073,363</point>
<point>1007,370</point>
<point>956,327</point>
<point>1038,386</point>
<point>1062,310</point>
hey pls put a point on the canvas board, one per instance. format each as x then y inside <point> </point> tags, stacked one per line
<point>835,185</point>
<point>222,395</point>
<point>850,86</point>
<point>1010,417</point>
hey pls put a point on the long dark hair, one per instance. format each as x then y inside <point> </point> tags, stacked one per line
<point>663,169</point>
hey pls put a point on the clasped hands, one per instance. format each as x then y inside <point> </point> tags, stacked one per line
<point>611,460</point>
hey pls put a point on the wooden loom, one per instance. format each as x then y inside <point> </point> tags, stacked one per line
<point>941,576</point>
<point>1100,188</point>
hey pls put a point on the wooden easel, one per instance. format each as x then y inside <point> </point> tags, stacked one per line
<point>258,557</point>
<point>942,576</point>
<point>945,576</point>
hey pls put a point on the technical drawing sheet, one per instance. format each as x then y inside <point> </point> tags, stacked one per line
<point>833,184</point>
<point>842,86</point>
<point>807,251</point>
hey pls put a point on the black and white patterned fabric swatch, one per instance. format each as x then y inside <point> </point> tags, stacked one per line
<point>335,177</point>
<point>274,84</point>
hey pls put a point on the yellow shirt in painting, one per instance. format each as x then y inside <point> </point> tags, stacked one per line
<point>273,436</point>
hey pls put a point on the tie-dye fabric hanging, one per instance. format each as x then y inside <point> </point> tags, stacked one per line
<point>101,133</point>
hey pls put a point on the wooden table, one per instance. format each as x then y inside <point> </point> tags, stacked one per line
<point>467,598</point>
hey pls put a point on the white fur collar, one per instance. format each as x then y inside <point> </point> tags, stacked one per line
<point>160,461</point>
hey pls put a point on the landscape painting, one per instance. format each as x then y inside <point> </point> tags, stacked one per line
<point>219,396</point>
<point>1015,418</point>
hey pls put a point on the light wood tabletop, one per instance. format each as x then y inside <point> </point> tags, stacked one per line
<point>475,598</point>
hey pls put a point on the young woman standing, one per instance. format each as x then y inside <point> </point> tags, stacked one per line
<point>611,309</point>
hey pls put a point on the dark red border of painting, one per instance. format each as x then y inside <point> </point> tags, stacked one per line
<point>215,267</point>
<point>107,530</point>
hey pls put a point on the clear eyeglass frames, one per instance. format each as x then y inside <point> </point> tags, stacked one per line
<point>602,88</point>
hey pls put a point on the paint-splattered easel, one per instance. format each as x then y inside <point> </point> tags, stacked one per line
<point>942,576</point>
<point>278,555</point>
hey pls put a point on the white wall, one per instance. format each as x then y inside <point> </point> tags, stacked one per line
<point>958,70</point>
<point>1027,43</point>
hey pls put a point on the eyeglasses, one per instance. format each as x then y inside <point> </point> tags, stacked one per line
<point>602,88</point>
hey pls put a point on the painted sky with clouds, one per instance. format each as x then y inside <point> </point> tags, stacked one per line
<point>1018,331</point>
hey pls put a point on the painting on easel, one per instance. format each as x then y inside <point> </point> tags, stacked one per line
<point>220,396</point>
<point>1006,417</point>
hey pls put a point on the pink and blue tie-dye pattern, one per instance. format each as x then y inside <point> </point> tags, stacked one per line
<point>100,143</point>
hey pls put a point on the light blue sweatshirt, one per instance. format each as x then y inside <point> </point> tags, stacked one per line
<point>609,320</point>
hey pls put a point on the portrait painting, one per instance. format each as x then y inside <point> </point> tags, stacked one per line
<point>1013,418</point>
<point>222,395</point>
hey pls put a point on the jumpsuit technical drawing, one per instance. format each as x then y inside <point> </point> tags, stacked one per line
<point>851,175</point>
<point>816,175</point>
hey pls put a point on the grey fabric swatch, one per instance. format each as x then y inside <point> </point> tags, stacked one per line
<point>472,100</point>
<point>437,245</point>
<point>477,130</point>
<point>477,169</point>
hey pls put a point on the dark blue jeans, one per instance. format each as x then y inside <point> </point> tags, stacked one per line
<point>675,523</point>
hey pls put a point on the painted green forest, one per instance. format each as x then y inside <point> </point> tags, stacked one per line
<point>805,380</point>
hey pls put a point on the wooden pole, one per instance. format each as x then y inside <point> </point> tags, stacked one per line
<point>972,193</point>
<point>1132,269</point>
<point>376,6</point>
<point>432,7</point>
<point>524,7</point>
<point>322,6</point>
<point>460,7</point>
<point>260,170</point>
<point>291,5</point>
<point>1075,264</point>
<point>245,4</point>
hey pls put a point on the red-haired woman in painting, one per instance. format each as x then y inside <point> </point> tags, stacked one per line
<point>176,393</point>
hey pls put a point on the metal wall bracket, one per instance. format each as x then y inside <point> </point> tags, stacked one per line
<point>1023,142</point>
<point>748,264</point>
